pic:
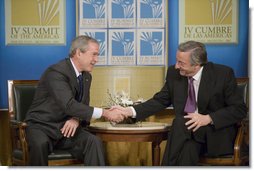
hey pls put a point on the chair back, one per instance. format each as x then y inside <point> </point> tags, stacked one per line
<point>243,88</point>
<point>20,94</point>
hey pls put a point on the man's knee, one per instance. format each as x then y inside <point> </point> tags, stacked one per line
<point>95,140</point>
<point>38,144</point>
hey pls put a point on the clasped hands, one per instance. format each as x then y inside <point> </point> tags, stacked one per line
<point>117,114</point>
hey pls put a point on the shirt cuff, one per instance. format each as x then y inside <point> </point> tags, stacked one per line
<point>133,112</point>
<point>97,112</point>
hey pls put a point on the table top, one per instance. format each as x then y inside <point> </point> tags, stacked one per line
<point>137,126</point>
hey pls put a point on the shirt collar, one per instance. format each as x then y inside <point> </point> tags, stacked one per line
<point>197,76</point>
<point>75,69</point>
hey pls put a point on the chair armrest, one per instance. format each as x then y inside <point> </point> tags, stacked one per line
<point>19,124</point>
<point>245,123</point>
<point>241,138</point>
<point>18,136</point>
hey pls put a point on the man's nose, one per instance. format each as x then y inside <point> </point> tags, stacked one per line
<point>177,66</point>
<point>96,58</point>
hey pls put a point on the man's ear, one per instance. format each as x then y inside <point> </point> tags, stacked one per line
<point>78,52</point>
<point>197,66</point>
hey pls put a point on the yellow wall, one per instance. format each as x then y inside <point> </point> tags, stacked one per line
<point>139,81</point>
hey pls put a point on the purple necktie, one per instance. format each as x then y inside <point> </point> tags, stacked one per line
<point>190,106</point>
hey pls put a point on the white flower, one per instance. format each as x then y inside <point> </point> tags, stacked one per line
<point>121,98</point>
<point>126,102</point>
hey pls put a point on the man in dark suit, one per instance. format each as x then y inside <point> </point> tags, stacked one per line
<point>61,101</point>
<point>210,126</point>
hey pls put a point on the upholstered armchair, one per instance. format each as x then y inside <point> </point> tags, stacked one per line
<point>20,96</point>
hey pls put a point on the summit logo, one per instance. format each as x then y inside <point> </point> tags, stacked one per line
<point>35,21</point>
<point>208,21</point>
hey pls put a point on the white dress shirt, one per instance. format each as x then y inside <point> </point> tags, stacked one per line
<point>196,82</point>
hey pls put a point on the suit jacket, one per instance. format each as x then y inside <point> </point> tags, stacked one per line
<point>217,96</point>
<point>54,101</point>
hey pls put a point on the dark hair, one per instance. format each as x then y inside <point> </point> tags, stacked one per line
<point>198,52</point>
<point>81,43</point>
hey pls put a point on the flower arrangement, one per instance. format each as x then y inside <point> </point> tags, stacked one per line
<point>121,98</point>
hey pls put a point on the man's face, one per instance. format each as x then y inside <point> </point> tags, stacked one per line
<point>184,65</point>
<point>87,59</point>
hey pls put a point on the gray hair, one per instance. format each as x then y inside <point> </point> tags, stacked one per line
<point>81,43</point>
<point>198,52</point>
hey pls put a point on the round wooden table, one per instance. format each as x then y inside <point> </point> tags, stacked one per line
<point>154,132</point>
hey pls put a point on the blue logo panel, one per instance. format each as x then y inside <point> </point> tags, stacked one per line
<point>151,44</point>
<point>151,9</point>
<point>93,9</point>
<point>123,44</point>
<point>122,9</point>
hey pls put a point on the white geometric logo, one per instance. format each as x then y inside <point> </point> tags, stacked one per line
<point>47,10</point>
<point>220,10</point>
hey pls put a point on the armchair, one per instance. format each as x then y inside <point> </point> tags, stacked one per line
<point>241,145</point>
<point>20,96</point>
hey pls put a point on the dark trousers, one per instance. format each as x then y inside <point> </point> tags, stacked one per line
<point>183,147</point>
<point>84,146</point>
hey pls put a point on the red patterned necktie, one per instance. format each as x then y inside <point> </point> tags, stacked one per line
<point>190,105</point>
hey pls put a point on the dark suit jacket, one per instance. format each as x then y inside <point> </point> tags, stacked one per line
<point>217,96</point>
<point>54,100</point>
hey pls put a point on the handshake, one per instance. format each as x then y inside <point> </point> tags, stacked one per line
<point>117,113</point>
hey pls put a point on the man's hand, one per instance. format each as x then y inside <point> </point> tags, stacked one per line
<point>113,115</point>
<point>126,111</point>
<point>197,120</point>
<point>70,127</point>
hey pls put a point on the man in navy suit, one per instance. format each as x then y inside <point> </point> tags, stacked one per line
<point>61,102</point>
<point>210,127</point>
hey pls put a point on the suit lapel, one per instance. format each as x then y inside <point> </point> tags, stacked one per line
<point>205,89</point>
<point>181,93</point>
<point>73,77</point>
<point>86,83</point>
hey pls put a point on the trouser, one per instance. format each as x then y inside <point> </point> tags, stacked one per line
<point>182,148</point>
<point>84,146</point>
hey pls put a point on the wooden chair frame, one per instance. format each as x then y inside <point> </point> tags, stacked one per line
<point>18,131</point>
